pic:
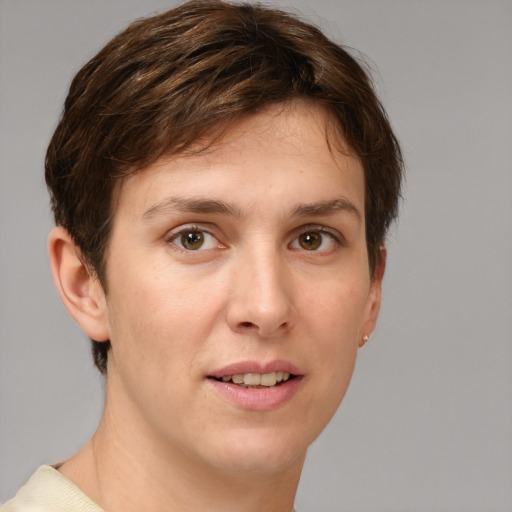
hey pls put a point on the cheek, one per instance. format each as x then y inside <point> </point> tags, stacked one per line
<point>159,316</point>
<point>333,344</point>
<point>155,341</point>
<point>335,319</point>
<point>338,307</point>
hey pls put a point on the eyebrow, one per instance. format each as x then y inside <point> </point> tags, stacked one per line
<point>328,207</point>
<point>191,205</point>
<point>208,206</point>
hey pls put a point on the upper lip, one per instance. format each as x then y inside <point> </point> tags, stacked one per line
<point>243,367</point>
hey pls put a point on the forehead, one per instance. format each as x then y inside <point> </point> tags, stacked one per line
<point>293,124</point>
<point>298,141</point>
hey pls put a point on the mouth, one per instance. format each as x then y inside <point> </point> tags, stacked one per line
<point>257,386</point>
<point>256,380</point>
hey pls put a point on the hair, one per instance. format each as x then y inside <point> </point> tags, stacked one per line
<point>170,80</point>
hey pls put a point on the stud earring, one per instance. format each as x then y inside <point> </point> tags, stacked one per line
<point>366,337</point>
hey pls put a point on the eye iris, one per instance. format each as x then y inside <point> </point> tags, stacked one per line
<point>310,241</point>
<point>192,240</point>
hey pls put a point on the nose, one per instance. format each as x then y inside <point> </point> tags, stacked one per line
<point>261,302</point>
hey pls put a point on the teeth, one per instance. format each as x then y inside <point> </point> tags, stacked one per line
<point>252,379</point>
<point>257,379</point>
<point>269,379</point>
<point>237,379</point>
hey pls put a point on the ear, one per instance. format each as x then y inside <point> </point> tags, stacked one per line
<point>374,298</point>
<point>79,289</point>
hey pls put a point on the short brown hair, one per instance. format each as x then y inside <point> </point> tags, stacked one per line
<point>168,81</point>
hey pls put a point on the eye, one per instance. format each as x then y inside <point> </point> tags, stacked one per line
<point>194,240</point>
<point>315,240</point>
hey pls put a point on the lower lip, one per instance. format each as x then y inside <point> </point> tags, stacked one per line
<point>259,399</point>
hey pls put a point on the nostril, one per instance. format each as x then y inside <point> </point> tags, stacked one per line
<point>247,325</point>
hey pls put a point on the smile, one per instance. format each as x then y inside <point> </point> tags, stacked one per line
<point>257,380</point>
<point>256,386</point>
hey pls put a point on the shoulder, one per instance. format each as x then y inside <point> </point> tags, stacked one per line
<point>47,490</point>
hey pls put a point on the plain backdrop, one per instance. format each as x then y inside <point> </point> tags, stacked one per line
<point>427,422</point>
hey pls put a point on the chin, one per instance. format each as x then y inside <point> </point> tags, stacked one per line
<point>257,462</point>
<point>261,451</point>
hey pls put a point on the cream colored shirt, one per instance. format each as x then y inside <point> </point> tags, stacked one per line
<point>49,491</point>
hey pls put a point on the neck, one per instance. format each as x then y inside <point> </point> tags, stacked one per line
<point>123,470</point>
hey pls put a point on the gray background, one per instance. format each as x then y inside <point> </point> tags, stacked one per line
<point>427,422</point>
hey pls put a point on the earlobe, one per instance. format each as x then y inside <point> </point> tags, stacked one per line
<point>374,298</point>
<point>81,292</point>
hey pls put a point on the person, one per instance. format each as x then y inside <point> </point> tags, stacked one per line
<point>222,180</point>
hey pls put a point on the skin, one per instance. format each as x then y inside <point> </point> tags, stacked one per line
<point>253,291</point>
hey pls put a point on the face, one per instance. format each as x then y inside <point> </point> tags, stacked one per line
<point>238,293</point>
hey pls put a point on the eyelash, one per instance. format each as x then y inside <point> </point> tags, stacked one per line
<point>187,230</point>
<point>336,237</point>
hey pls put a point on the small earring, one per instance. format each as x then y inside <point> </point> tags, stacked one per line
<point>366,337</point>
